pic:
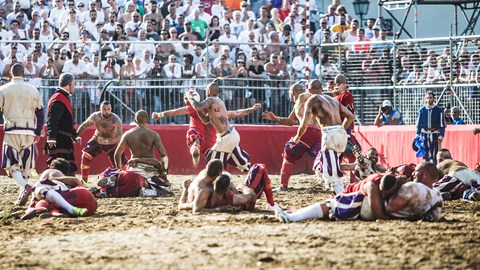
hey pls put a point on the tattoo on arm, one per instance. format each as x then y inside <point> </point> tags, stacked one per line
<point>223,119</point>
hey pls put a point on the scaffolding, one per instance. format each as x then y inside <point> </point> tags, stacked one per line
<point>461,6</point>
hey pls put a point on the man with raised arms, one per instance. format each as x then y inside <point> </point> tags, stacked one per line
<point>227,145</point>
<point>200,136</point>
<point>108,132</point>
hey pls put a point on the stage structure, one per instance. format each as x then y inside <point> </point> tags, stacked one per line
<point>459,5</point>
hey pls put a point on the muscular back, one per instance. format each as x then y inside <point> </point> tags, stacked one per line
<point>218,114</point>
<point>325,109</point>
<point>142,141</point>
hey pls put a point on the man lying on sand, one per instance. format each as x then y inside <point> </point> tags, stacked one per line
<point>212,189</point>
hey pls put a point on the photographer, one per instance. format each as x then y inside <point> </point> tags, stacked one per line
<point>110,69</point>
<point>387,115</point>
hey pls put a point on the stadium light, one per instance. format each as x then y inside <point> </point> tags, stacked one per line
<point>361,9</point>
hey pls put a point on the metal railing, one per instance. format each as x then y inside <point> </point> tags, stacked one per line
<point>375,71</point>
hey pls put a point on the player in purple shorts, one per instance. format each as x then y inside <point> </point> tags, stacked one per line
<point>227,146</point>
<point>328,112</point>
<point>367,204</point>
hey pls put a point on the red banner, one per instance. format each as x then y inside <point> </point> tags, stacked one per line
<point>265,144</point>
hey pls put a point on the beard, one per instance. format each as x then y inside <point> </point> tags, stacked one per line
<point>106,115</point>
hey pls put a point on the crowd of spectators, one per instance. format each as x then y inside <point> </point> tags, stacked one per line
<point>264,40</point>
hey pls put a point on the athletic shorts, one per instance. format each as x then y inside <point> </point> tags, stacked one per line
<point>311,142</point>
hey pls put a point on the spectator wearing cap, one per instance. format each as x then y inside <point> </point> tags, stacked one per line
<point>192,35</point>
<point>153,14</point>
<point>376,33</point>
<point>456,120</point>
<point>134,26</point>
<point>109,68</point>
<point>72,25</point>
<point>387,115</point>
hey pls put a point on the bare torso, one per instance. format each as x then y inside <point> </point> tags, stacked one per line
<point>107,130</point>
<point>326,110</point>
<point>218,114</point>
<point>299,107</point>
<point>142,141</point>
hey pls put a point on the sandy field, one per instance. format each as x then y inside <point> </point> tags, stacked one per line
<point>150,233</point>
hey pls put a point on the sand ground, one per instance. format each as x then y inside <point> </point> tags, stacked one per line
<point>150,233</point>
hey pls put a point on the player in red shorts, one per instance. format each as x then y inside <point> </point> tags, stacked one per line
<point>119,183</point>
<point>310,141</point>
<point>108,132</point>
<point>212,189</point>
<point>200,137</point>
<point>59,194</point>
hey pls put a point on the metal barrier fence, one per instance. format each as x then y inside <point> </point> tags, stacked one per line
<point>399,70</point>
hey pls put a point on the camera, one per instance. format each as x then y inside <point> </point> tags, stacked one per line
<point>384,109</point>
<point>112,63</point>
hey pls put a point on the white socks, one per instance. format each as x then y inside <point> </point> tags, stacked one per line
<point>17,175</point>
<point>54,197</point>
<point>309,212</point>
<point>337,187</point>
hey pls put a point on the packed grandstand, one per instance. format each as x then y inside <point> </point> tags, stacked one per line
<point>155,51</point>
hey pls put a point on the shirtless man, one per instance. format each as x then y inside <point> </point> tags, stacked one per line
<point>334,119</point>
<point>365,200</point>
<point>417,200</point>
<point>457,181</point>
<point>141,140</point>
<point>108,131</point>
<point>200,136</point>
<point>227,146</point>
<point>212,189</point>
<point>310,141</point>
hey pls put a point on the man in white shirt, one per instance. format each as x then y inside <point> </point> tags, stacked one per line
<point>229,40</point>
<point>56,12</point>
<point>76,66</point>
<point>134,26</point>
<point>137,48</point>
<point>172,69</point>
<point>300,63</point>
